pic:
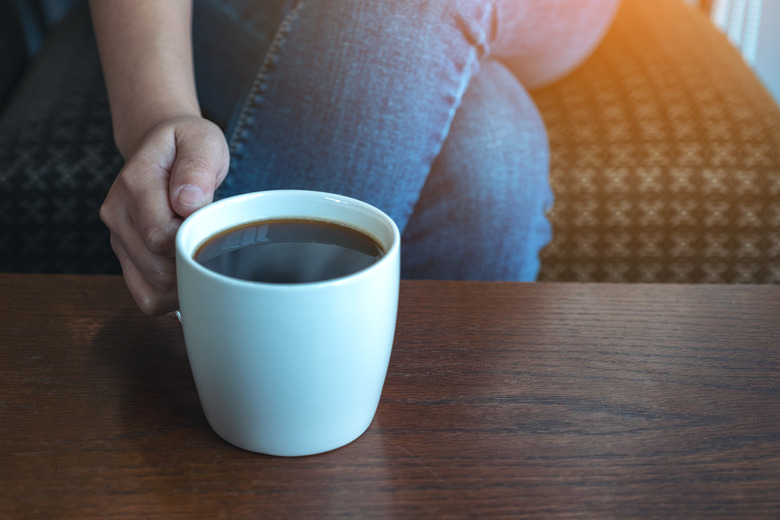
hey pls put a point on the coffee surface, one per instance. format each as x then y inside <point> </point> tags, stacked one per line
<point>289,251</point>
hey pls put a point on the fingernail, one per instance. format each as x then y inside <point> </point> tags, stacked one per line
<point>191,196</point>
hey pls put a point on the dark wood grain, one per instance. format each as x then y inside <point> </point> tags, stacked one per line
<point>502,400</point>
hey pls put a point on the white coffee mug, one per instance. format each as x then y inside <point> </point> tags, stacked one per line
<point>288,369</point>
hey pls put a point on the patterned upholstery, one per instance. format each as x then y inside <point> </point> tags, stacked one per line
<point>665,157</point>
<point>58,159</point>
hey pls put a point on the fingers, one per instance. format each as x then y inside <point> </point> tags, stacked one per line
<point>151,299</point>
<point>181,163</point>
<point>143,228</point>
<point>201,165</point>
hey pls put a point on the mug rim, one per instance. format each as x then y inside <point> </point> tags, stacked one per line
<point>188,256</point>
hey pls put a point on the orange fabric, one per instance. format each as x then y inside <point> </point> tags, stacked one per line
<point>665,157</point>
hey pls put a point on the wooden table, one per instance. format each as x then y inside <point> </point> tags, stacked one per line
<point>502,400</point>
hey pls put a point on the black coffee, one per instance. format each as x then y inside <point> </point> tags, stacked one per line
<point>289,251</point>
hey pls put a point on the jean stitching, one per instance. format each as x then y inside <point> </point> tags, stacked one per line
<point>480,51</point>
<point>258,88</point>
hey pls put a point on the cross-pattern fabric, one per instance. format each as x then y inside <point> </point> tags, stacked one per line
<point>665,157</point>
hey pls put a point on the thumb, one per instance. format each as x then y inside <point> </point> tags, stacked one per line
<point>200,166</point>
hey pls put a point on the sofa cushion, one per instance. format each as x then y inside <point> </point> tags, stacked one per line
<point>665,157</point>
<point>58,159</point>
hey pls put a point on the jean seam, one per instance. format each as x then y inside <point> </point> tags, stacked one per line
<point>258,88</point>
<point>480,51</point>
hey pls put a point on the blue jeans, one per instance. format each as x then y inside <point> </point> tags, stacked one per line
<point>415,106</point>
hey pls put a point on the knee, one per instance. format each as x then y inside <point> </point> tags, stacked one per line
<point>544,40</point>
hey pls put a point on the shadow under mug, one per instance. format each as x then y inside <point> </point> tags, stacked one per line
<point>288,369</point>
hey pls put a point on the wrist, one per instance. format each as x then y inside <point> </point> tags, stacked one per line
<point>132,126</point>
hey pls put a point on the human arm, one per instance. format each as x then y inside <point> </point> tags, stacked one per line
<point>175,159</point>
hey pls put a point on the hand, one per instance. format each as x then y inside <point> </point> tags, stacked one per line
<point>172,173</point>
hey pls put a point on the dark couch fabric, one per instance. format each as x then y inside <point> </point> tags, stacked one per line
<point>58,159</point>
<point>14,48</point>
